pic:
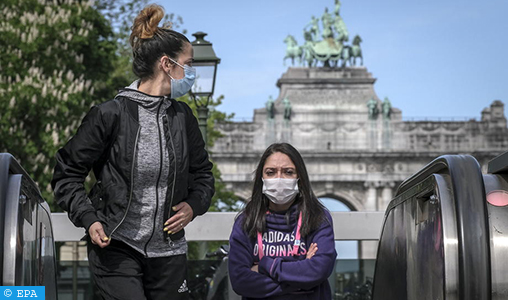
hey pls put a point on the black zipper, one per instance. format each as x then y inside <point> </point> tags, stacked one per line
<point>174,177</point>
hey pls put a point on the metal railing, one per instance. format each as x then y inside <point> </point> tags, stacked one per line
<point>216,226</point>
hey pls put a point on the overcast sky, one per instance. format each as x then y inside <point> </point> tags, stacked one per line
<point>435,58</point>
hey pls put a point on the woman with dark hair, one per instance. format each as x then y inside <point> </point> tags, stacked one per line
<point>153,172</point>
<point>282,243</point>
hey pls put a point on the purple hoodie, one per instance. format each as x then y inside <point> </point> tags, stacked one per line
<point>282,275</point>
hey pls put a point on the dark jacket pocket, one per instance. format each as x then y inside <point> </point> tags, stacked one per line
<point>96,196</point>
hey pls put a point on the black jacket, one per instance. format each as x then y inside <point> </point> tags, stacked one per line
<point>106,142</point>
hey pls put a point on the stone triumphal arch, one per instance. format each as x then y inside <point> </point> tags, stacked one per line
<point>356,146</point>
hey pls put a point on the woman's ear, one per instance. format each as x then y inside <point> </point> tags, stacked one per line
<point>165,64</point>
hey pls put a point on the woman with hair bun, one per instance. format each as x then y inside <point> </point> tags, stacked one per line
<point>153,172</point>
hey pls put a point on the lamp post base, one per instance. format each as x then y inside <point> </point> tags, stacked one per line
<point>202,121</point>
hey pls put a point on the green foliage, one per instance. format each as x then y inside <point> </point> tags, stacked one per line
<point>223,200</point>
<point>60,58</point>
<point>121,14</point>
<point>56,62</point>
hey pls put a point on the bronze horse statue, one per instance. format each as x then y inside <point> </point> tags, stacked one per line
<point>293,50</point>
<point>345,56</point>
<point>356,50</point>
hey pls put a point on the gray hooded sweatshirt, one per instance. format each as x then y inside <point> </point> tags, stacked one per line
<point>153,179</point>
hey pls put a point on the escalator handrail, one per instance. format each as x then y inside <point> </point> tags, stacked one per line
<point>13,167</point>
<point>4,186</point>
<point>472,220</point>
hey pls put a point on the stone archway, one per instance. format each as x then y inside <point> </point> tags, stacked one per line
<point>345,249</point>
<point>333,204</point>
<point>242,190</point>
<point>352,203</point>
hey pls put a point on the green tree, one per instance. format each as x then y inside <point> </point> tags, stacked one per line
<point>223,199</point>
<point>121,14</point>
<point>56,62</point>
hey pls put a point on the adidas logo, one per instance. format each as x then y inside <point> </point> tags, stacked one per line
<point>184,287</point>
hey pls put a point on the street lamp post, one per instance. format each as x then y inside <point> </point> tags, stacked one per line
<point>205,62</point>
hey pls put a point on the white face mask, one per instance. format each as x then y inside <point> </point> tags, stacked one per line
<point>280,190</point>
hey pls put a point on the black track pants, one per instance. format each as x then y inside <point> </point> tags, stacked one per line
<point>122,273</point>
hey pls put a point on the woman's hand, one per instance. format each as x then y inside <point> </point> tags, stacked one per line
<point>255,268</point>
<point>183,216</point>
<point>310,253</point>
<point>97,235</point>
<point>312,250</point>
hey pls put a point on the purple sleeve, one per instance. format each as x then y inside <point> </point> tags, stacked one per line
<point>244,281</point>
<point>306,273</point>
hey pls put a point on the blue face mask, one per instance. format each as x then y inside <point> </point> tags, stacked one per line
<point>180,87</point>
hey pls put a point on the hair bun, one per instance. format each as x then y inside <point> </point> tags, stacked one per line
<point>146,23</point>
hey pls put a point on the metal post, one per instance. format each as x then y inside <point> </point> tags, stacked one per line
<point>75,258</point>
<point>202,120</point>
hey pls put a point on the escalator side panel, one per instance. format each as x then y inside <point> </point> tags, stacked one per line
<point>410,262</point>
<point>425,274</point>
<point>466,184</point>
<point>447,231</point>
<point>27,246</point>
<point>20,256</point>
<point>498,218</point>
<point>12,274</point>
<point>46,268</point>
<point>391,263</point>
<point>450,237</point>
<point>4,184</point>
<point>28,206</point>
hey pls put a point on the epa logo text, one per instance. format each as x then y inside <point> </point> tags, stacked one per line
<point>17,292</point>
<point>26,294</point>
